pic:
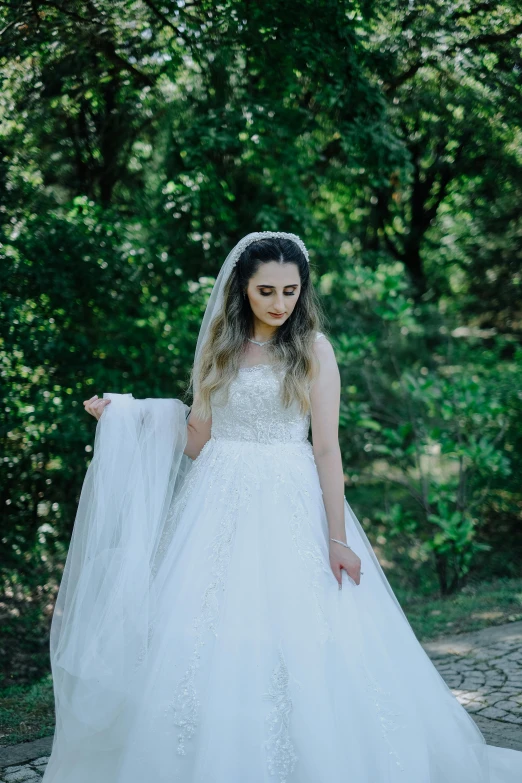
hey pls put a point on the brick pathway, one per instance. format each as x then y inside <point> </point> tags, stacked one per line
<point>483,670</point>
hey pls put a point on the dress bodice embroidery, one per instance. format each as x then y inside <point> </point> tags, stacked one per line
<point>254,410</point>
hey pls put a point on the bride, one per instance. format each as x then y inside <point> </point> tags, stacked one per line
<point>222,617</point>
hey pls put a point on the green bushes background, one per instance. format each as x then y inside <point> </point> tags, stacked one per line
<point>140,140</point>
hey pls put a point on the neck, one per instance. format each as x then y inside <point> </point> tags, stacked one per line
<point>261,331</point>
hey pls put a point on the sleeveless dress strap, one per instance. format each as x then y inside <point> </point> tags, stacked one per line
<point>318,335</point>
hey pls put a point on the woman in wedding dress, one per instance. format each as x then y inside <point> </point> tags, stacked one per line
<point>222,617</point>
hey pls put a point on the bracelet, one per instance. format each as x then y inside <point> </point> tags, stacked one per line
<point>347,546</point>
<point>341,542</point>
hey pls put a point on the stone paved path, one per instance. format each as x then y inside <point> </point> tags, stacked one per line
<point>488,680</point>
<point>483,670</point>
<point>28,773</point>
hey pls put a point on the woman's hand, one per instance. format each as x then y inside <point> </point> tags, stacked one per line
<point>342,557</point>
<point>95,406</point>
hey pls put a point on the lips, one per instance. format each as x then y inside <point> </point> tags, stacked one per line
<point>276,315</point>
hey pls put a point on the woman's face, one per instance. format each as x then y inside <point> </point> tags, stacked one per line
<point>273,292</point>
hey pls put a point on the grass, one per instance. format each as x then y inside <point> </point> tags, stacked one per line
<point>27,711</point>
<point>472,608</point>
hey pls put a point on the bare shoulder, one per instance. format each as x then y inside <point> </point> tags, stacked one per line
<point>324,351</point>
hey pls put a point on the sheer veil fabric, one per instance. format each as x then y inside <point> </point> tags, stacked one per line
<point>119,592</point>
<point>100,625</point>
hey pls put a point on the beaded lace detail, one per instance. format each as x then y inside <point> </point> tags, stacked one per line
<point>281,756</point>
<point>253,410</point>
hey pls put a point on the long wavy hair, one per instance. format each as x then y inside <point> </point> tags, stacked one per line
<point>292,346</point>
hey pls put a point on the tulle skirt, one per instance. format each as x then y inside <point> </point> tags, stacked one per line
<point>259,669</point>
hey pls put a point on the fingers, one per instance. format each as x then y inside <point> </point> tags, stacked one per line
<point>357,572</point>
<point>353,571</point>
<point>95,406</point>
<point>338,575</point>
<point>99,406</point>
<point>355,575</point>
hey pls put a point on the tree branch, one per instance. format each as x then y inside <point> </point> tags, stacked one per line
<point>6,28</point>
<point>402,483</point>
<point>72,14</point>
<point>164,19</point>
<point>109,50</point>
<point>391,247</point>
<point>485,6</point>
<point>478,40</point>
<point>507,35</point>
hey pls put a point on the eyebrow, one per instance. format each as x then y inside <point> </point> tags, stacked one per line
<point>290,285</point>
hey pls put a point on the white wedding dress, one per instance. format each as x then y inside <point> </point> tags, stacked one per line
<point>259,669</point>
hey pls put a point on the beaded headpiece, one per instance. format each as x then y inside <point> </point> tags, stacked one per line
<point>256,236</point>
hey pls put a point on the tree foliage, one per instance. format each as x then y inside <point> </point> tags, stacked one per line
<point>141,139</point>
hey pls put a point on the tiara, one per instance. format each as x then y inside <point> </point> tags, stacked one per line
<point>249,239</point>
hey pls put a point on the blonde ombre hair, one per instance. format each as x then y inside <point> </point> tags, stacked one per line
<point>292,346</point>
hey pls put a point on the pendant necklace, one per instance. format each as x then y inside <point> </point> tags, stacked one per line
<point>258,343</point>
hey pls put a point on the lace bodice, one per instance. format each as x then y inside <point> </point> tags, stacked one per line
<point>254,410</point>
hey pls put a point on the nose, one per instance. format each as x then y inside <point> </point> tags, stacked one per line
<point>279,304</point>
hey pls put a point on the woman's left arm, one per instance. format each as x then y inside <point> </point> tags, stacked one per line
<point>325,396</point>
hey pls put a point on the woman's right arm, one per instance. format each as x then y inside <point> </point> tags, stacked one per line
<point>198,433</point>
<point>198,430</point>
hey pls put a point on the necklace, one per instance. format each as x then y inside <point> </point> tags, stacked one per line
<point>258,343</point>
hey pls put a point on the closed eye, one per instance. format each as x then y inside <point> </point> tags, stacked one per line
<point>286,293</point>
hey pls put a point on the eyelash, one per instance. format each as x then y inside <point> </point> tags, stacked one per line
<point>287,293</point>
